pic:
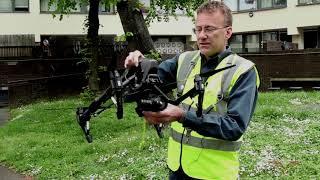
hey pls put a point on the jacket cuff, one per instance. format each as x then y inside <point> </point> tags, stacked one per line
<point>182,119</point>
<point>189,119</point>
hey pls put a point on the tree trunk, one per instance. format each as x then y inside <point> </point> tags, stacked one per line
<point>93,44</point>
<point>132,21</point>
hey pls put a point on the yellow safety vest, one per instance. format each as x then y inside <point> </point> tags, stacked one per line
<point>205,157</point>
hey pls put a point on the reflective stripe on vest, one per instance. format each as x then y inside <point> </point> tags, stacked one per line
<point>189,61</point>
<point>225,84</point>
<point>215,144</point>
<point>227,81</point>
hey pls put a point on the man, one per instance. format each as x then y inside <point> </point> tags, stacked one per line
<point>206,146</point>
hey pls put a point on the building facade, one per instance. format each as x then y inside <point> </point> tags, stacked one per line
<point>294,23</point>
<point>258,21</point>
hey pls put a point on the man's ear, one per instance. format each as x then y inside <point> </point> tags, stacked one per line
<point>228,32</point>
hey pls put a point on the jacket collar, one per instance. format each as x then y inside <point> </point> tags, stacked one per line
<point>213,61</point>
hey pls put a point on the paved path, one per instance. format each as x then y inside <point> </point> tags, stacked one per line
<point>4,115</point>
<point>5,173</point>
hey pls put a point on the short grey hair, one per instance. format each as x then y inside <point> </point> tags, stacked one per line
<point>214,6</point>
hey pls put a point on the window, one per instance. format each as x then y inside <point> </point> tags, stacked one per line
<point>265,3</point>
<point>270,36</point>
<point>309,1</point>
<point>5,5</point>
<point>236,43</point>
<point>21,5</point>
<point>283,36</point>
<point>279,3</point>
<point>232,4</point>
<point>305,1</point>
<point>106,8</point>
<point>14,5</point>
<point>252,43</point>
<point>45,8</point>
<point>258,42</point>
<point>246,5</point>
<point>311,38</point>
<point>80,8</point>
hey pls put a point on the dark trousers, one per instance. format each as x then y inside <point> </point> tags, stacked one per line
<point>178,175</point>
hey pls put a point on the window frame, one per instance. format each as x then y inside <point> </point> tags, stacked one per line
<point>241,43</point>
<point>15,9</point>
<point>261,39</point>
<point>313,2</point>
<point>258,6</point>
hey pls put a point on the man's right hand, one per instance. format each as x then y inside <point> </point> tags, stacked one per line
<point>133,59</point>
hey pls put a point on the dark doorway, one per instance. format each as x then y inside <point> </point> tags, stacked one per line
<point>311,39</point>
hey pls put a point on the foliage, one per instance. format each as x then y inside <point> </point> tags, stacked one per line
<point>153,54</point>
<point>123,37</point>
<point>159,9</point>
<point>62,7</point>
<point>44,140</point>
<point>162,9</point>
<point>87,94</point>
<point>67,6</point>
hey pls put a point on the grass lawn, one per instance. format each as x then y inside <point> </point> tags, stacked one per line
<point>44,140</point>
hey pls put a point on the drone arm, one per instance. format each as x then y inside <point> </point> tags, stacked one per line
<point>191,93</point>
<point>96,104</point>
<point>84,113</point>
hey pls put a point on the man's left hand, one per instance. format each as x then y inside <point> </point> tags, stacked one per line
<point>170,114</point>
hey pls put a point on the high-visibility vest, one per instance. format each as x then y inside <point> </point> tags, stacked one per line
<point>199,156</point>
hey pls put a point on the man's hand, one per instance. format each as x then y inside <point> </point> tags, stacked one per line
<point>133,59</point>
<point>170,114</point>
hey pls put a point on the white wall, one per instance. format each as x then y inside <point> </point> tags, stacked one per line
<point>290,18</point>
<point>45,24</point>
<point>182,26</point>
<point>38,24</point>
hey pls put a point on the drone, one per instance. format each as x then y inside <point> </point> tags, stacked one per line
<point>144,86</point>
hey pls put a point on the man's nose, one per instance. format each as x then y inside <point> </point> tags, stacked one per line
<point>202,35</point>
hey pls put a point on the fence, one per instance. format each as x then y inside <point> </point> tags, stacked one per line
<point>28,78</point>
<point>293,70</point>
<point>16,45</point>
<point>16,51</point>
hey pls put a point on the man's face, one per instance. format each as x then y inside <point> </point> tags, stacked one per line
<point>212,34</point>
